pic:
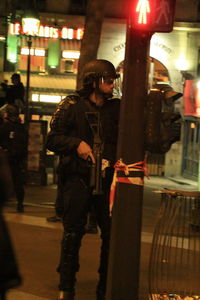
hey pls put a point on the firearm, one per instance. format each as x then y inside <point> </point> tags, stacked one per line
<point>96,168</point>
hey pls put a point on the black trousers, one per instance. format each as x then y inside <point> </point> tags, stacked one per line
<point>78,198</point>
<point>18,181</point>
<point>2,295</point>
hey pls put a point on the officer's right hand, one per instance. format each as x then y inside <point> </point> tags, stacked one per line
<point>84,151</point>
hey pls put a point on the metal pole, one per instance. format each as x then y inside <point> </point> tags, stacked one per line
<point>198,183</point>
<point>124,258</point>
<point>27,111</point>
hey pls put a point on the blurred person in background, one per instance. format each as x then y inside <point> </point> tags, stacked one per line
<point>13,141</point>
<point>3,88</point>
<point>15,92</point>
<point>9,274</point>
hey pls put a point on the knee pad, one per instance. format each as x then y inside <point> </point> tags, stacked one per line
<point>71,241</point>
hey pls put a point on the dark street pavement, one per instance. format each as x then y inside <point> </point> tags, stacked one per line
<point>37,242</point>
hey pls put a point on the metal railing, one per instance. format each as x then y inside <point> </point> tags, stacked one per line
<point>174,269</point>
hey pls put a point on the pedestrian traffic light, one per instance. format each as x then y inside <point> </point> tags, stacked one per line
<point>162,124</point>
<point>152,15</point>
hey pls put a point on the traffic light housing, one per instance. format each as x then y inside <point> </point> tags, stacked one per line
<point>162,124</point>
<point>152,15</point>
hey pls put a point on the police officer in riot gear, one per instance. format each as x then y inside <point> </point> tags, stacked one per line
<point>72,138</point>
<point>13,141</point>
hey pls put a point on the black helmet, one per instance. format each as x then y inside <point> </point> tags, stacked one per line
<point>11,110</point>
<point>93,71</point>
<point>99,68</point>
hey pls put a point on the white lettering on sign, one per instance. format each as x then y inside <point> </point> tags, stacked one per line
<point>50,32</point>
<point>14,29</point>
<point>79,33</point>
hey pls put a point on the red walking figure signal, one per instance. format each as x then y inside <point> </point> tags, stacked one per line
<point>143,8</point>
<point>153,15</point>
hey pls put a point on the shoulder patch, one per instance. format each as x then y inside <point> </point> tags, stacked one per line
<point>70,99</point>
<point>59,115</point>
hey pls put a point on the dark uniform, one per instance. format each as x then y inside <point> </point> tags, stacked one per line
<point>69,127</point>
<point>15,92</point>
<point>13,141</point>
<point>9,274</point>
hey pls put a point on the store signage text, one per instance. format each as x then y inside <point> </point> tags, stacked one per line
<point>119,47</point>
<point>50,32</point>
<point>163,47</point>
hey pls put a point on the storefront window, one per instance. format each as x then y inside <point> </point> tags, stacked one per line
<point>69,61</point>
<point>69,66</point>
<point>191,149</point>
<point>37,60</point>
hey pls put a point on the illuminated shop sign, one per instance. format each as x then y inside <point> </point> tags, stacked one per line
<point>50,32</point>
<point>36,52</point>
<point>47,98</point>
<point>71,54</point>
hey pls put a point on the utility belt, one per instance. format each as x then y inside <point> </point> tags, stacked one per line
<point>66,160</point>
<point>72,165</point>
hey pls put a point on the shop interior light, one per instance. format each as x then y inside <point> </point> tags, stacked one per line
<point>36,52</point>
<point>35,97</point>
<point>39,52</point>
<point>2,38</point>
<point>71,54</point>
<point>182,63</point>
<point>25,51</point>
<point>50,98</point>
<point>47,98</point>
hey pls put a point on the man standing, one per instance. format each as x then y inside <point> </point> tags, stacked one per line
<point>72,137</point>
<point>13,141</point>
<point>9,273</point>
<point>15,92</point>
